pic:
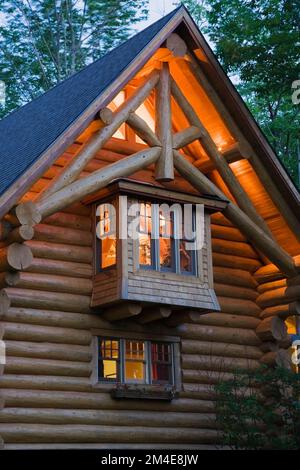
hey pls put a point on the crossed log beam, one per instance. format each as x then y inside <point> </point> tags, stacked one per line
<point>66,189</point>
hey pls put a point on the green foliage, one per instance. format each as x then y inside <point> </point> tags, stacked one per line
<point>44,41</point>
<point>260,409</point>
<point>257,41</point>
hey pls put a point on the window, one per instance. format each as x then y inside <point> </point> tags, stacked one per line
<point>106,233</point>
<point>163,245</point>
<point>133,361</point>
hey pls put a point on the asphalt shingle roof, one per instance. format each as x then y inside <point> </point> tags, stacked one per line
<point>27,132</point>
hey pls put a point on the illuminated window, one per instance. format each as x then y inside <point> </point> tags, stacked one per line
<point>135,361</point>
<point>159,248</point>
<point>108,363</point>
<point>106,234</point>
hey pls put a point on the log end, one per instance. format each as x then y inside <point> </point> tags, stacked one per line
<point>19,256</point>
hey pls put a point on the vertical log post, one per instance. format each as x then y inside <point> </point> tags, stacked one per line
<point>164,170</point>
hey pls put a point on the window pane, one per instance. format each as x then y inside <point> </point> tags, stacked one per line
<point>165,253</point>
<point>134,371</point>
<point>108,252</point>
<point>134,361</point>
<point>108,359</point>
<point>166,240</point>
<point>161,363</point>
<point>186,258</point>
<point>145,245</point>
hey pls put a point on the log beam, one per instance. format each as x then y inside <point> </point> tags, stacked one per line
<point>246,149</point>
<point>272,328</point>
<point>142,129</point>
<point>176,45</point>
<point>86,153</point>
<point>224,169</point>
<point>164,170</point>
<point>15,257</point>
<point>119,312</point>
<point>186,136</point>
<point>149,315</point>
<point>254,233</point>
<point>97,180</point>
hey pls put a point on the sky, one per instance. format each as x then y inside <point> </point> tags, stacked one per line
<point>157,9</point>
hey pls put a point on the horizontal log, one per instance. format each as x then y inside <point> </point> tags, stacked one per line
<point>49,282</point>
<point>233,277</point>
<point>151,314</point>
<point>23,332</point>
<point>217,363</point>
<point>201,391</point>
<point>227,233</point>
<point>270,272</point>
<point>15,432</point>
<point>236,262</point>
<point>219,334</point>
<point>279,358</point>
<point>271,285</point>
<point>102,401</point>
<point>46,382</point>
<point>44,300</point>
<point>62,268</point>
<point>15,256</point>
<point>235,248</point>
<point>272,328</point>
<point>225,319</point>
<point>109,445</point>
<point>27,214</point>
<point>220,219</point>
<point>283,311</point>
<point>122,311</point>
<point>20,234</point>
<point>281,295</point>
<point>5,229</point>
<point>63,352</point>
<point>60,251</point>
<point>75,221</point>
<point>53,233</point>
<point>239,306</point>
<point>54,318</point>
<point>116,418</point>
<point>238,292</point>
<point>208,377</point>
<point>37,366</point>
<point>189,346</point>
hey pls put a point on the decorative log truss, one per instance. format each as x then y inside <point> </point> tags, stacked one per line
<point>165,151</point>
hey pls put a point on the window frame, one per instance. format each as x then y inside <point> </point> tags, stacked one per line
<point>121,361</point>
<point>175,245</point>
<point>98,241</point>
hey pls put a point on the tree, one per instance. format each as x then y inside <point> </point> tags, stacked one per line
<point>258,41</point>
<point>44,41</point>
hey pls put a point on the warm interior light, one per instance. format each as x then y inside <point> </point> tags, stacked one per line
<point>134,361</point>
<point>108,360</point>
<point>143,113</point>
<point>113,105</point>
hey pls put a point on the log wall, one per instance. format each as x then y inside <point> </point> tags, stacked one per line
<point>49,397</point>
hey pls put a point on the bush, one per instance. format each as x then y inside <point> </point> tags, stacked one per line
<point>260,409</point>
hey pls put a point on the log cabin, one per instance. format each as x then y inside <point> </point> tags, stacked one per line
<point>113,340</point>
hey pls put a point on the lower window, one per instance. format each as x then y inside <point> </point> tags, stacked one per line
<point>135,361</point>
